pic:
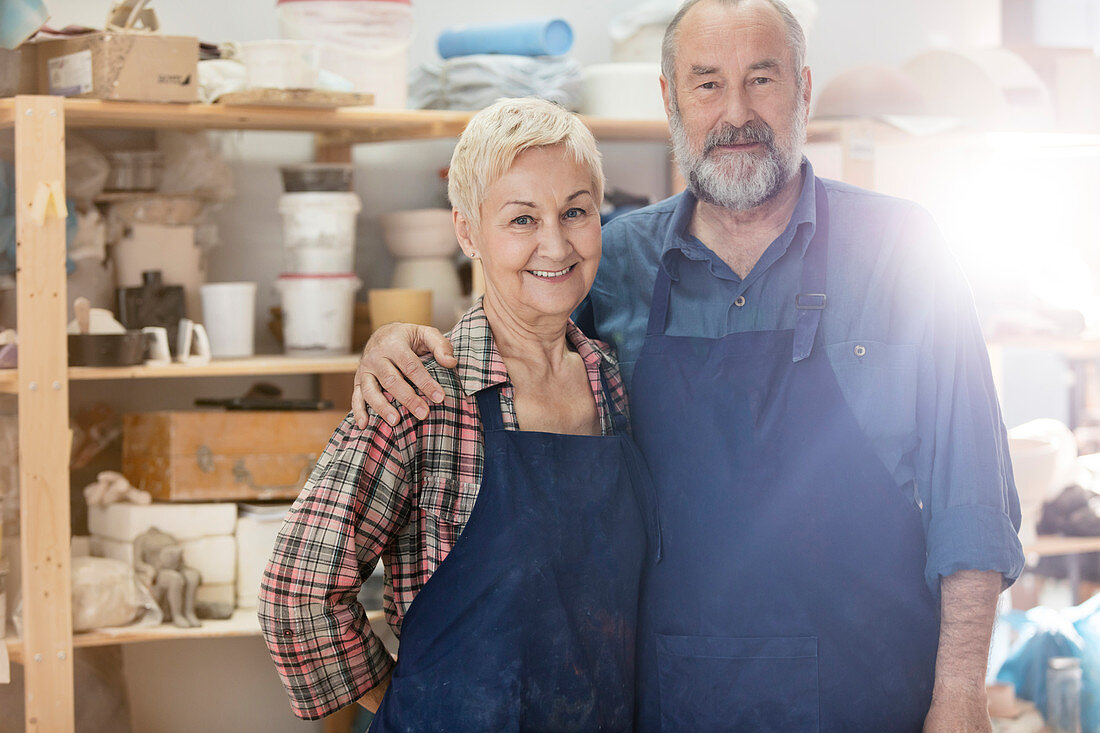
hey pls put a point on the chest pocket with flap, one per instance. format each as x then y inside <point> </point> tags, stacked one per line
<point>879,382</point>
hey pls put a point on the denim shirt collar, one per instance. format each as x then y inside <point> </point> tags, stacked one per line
<point>680,243</point>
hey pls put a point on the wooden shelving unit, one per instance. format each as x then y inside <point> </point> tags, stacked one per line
<point>43,378</point>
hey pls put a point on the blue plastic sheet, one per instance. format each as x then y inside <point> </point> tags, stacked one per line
<point>1046,633</point>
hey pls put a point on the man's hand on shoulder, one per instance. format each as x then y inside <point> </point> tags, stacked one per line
<point>391,363</point>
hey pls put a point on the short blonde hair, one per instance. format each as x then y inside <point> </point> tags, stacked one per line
<point>497,134</point>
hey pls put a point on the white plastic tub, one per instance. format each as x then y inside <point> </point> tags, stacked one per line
<point>318,311</point>
<point>364,41</point>
<point>281,64</point>
<point>319,231</point>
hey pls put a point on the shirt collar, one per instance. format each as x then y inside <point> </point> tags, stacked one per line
<point>679,238</point>
<point>481,366</point>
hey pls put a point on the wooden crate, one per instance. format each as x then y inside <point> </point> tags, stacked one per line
<point>224,454</point>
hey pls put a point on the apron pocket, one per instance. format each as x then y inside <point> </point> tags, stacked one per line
<point>712,683</point>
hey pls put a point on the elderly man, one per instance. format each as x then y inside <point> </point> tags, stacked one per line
<point>810,387</point>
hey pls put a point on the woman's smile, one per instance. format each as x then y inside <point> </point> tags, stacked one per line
<point>554,276</point>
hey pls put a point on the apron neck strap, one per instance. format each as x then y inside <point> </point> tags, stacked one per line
<point>658,310</point>
<point>618,419</point>
<point>810,300</point>
<point>488,403</point>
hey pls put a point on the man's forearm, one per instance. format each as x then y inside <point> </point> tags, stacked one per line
<point>967,609</point>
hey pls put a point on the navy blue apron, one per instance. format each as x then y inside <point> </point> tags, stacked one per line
<point>791,594</point>
<point>530,622</point>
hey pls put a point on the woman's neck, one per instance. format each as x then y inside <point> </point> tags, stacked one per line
<point>540,346</point>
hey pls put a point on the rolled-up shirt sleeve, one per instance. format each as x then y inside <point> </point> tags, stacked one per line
<point>964,477</point>
<point>353,504</point>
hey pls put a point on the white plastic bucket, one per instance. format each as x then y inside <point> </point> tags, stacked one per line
<point>319,231</point>
<point>364,41</point>
<point>318,311</point>
<point>229,311</point>
<point>280,64</point>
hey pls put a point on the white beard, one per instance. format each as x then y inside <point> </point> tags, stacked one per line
<point>739,181</point>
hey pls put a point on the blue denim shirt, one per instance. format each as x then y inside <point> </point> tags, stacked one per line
<point>921,387</point>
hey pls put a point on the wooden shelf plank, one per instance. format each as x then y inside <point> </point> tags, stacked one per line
<point>346,125</point>
<point>1053,545</point>
<point>362,124</point>
<point>1080,347</point>
<point>243,622</point>
<point>252,366</point>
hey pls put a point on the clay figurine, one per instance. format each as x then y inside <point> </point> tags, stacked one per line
<point>111,487</point>
<point>158,560</point>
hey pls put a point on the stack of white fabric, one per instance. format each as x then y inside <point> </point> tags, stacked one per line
<point>475,82</point>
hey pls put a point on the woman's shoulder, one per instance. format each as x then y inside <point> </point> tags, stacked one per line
<point>446,376</point>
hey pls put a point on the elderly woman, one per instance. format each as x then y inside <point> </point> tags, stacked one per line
<point>511,519</point>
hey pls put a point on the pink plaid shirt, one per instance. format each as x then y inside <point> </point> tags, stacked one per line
<point>402,494</point>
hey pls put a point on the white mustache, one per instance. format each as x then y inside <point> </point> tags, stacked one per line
<point>750,132</point>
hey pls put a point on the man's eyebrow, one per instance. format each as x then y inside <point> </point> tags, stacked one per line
<point>697,70</point>
<point>765,64</point>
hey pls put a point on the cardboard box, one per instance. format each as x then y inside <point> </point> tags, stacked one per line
<point>18,71</point>
<point>206,455</point>
<point>139,67</point>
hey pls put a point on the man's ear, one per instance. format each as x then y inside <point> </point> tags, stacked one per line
<point>666,92</point>
<point>807,86</point>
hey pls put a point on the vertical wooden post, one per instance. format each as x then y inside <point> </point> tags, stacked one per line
<point>44,437</point>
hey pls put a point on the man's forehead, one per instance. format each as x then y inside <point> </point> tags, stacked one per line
<point>751,35</point>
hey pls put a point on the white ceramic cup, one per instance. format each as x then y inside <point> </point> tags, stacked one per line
<point>229,313</point>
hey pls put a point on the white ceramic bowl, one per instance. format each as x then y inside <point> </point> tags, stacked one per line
<point>419,233</point>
